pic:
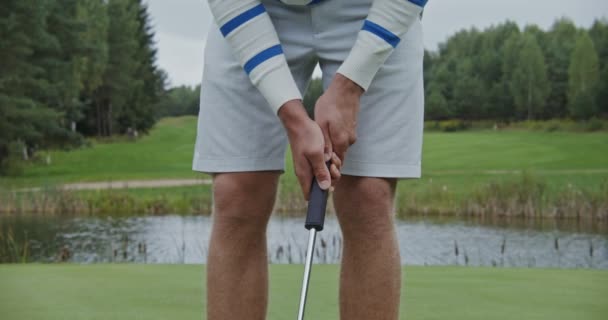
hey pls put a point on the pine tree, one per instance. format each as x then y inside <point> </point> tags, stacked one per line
<point>149,83</point>
<point>25,120</point>
<point>93,14</point>
<point>119,76</point>
<point>60,58</point>
<point>132,83</point>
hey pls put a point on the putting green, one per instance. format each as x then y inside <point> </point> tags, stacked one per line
<point>176,292</point>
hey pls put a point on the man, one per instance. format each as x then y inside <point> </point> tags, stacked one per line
<point>257,62</point>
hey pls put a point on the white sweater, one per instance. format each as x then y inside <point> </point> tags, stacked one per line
<point>251,34</point>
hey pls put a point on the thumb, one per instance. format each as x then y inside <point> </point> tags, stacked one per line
<point>320,171</point>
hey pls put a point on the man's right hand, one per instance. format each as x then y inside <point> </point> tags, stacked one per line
<point>307,144</point>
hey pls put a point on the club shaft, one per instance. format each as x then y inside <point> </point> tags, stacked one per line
<point>309,254</point>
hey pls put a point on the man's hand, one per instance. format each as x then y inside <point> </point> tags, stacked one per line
<point>336,113</point>
<point>306,140</point>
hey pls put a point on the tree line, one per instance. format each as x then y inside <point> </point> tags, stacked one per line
<point>505,73</point>
<point>74,68</point>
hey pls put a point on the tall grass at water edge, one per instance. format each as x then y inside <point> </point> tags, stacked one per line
<point>526,196</point>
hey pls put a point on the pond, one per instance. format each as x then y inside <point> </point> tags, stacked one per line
<point>423,241</point>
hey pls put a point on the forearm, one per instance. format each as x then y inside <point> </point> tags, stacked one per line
<point>387,22</point>
<point>249,31</point>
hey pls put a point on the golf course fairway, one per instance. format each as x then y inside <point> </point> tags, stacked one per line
<point>126,291</point>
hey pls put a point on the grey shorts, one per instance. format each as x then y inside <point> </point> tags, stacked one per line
<point>238,132</point>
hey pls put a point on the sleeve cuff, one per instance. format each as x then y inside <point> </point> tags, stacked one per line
<point>278,87</point>
<point>362,64</point>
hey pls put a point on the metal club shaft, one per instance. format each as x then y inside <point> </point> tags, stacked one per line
<point>315,218</point>
<point>309,254</point>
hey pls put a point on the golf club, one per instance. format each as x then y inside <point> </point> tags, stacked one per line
<point>315,218</point>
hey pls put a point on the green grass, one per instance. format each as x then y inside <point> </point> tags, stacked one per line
<point>515,150</point>
<point>463,160</point>
<point>165,153</point>
<point>455,165</point>
<point>65,292</point>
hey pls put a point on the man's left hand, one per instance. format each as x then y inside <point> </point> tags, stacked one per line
<point>336,113</point>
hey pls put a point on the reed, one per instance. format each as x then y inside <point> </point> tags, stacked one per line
<point>527,196</point>
<point>56,202</point>
<point>13,249</point>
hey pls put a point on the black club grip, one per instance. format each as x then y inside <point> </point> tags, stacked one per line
<point>315,216</point>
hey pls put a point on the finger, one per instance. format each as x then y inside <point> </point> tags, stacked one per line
<point>340,147</point>
<point>328,148</point>
<point>340,150</point>
<point>304,175</point>
<point>335,174</point>
<point>339,142</point>
<point>336,160</point>
<point>319,169</point>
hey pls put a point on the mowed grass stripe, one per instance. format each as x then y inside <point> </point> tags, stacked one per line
<point>176,292</point>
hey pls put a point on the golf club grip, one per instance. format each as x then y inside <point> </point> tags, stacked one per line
<point>315,216</point>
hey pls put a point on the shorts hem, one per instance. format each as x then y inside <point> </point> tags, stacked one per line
<point>381,170</point>
<point>238,165</point>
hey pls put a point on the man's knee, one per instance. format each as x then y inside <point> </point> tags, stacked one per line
<point>365,192</point>
<point>244,200</point>
<point>365,205</point>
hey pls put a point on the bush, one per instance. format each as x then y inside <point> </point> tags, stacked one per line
<point>595,124</point>
<point>448,125</point>
<point>13,165</point>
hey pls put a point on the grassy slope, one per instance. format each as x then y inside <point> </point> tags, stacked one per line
<point>457,162</point>
<point>165,153</point>
<point>464,161</point>
<point>176,292</point>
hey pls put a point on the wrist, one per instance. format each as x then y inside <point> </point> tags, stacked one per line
<point>292,114</point>
<point>345,85</point>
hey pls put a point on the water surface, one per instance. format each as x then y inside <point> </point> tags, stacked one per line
<point>423,241</point>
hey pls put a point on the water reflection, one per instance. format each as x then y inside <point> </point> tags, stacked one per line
<point>424,241</point>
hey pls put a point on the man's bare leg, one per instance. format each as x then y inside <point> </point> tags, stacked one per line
<point>370,278</point>
<point>237,266</point>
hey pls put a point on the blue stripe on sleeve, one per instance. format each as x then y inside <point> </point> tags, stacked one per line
<point>262,56</point>
<point>242,18</point>
<point>313,2</point>
<point>381,32</point>
<point>420,3</point>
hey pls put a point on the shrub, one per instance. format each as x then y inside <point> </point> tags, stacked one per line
<point>595,124</point>
<point>447,125</point>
